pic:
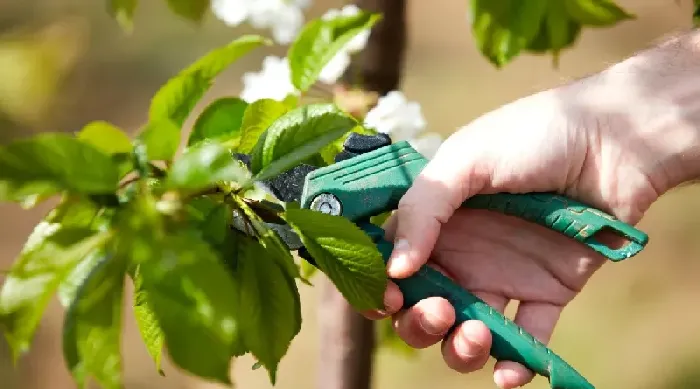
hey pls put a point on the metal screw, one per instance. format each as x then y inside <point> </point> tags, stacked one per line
<point>328,204</point>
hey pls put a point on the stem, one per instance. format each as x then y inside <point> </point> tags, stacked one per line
<point>347,338</point>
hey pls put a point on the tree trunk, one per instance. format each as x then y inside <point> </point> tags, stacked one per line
<point>347,338</point>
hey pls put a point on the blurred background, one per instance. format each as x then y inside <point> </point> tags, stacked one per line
<point>64,63</point>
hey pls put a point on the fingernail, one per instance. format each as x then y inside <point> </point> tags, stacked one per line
<point>392,300</point>
<point>467,348</point>
<point>432,324</point>
<point>399,261</point>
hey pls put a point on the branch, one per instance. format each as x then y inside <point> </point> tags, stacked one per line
<point>347,338</point>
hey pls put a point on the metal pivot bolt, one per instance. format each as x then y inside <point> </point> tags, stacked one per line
<point>328,204</point>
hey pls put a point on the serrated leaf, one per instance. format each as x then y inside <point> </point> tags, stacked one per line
<point>51,162</point>
<point>596,12</point>
<point>257,118</point>
<point>296,136</point>
<point>123,12</point>
<point>49,255</point>
<point>270,240</point>
<point>195,301</point>
<point>106,137</point>
<point>161,138</point>
<point>176,99</point>
<point>204,166</point>
<point>268,304</point>
<point>92,326</point>
<point>502,29</point>
<point>319,41</point>
<point>345,254</point>
<point>147,322</point>
<point>220,122</point>
<point>193,10</point>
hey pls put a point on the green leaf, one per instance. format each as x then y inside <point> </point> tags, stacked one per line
<point>194,299</point>
<point>696,13</point>
<point>596,12</point>
<point>345,254</point>
<point>74,211</point>
<point>123,12</point>
<point>176,99</point>
<point>502,29</point>
<point>257,118</point>
<point>268,304</point>
<point>161,139</point>
<point>558,31</point>
<point>269,239</point>
<point>51,162</point>
<point>92,327</point>
<point>329,152</point>
<point>68,289</point>
<point>193,10</point>
<point>296,136</point>
<point>49,255</point>
<point>307,270</point>
<point>319,41</point>
<point>220,122</point>
<point>106,137</point>
<point>146,320</point>
<point>204,166</point>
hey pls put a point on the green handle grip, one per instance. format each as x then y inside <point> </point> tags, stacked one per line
<point>569,217</point>
<point>509,341</point>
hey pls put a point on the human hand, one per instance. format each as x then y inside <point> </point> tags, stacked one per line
<point>535,144</point>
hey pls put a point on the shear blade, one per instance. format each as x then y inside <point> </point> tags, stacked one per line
<point>286,187</point>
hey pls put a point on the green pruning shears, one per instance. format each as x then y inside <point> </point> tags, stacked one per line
<point>369,178</point>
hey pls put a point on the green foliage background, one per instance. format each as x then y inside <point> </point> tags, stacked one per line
<point>502,86</point>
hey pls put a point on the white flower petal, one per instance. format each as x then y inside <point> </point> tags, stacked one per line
<point>394,115</point>
<point>273,81</point>
<point>231,12</point>
<point>288,22</point>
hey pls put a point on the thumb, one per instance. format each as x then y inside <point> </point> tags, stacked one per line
<point>442,186</point>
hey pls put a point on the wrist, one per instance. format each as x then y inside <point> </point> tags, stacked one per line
<point>649,106</point>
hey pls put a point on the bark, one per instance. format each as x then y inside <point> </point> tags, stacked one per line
<point>347,338</point>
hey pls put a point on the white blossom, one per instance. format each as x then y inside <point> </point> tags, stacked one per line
<point>427,144</point>
<point>283,17</point>
<point>395,116</point>
<point>273,81</point>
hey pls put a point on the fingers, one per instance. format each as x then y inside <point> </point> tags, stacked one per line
<point>467,348</point>
<point>436,193</point>
<point>539,320</point>
<point>425,323</point>
<point>393,302</point>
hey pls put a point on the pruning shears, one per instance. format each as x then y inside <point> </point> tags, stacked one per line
<point>370,176</point>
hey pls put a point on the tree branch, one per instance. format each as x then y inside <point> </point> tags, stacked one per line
<point>347,338</point>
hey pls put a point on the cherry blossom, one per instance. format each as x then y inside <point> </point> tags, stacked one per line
<point>273,81</point>
<point>284,18</point>
<point>396,116</point>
